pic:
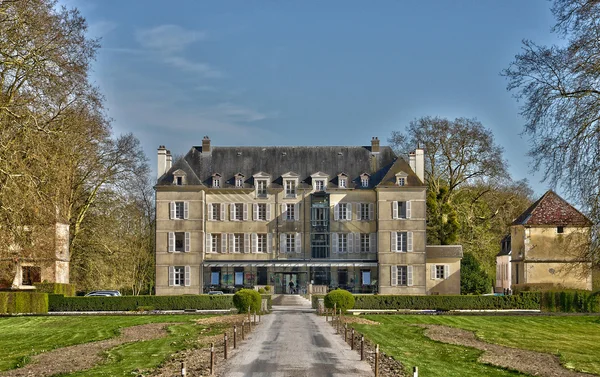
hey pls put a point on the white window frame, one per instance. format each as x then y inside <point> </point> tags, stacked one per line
<point>179,179</point>
<point>365,209</point>
<point>342,212</point>
<point>364,182</point>
<point>216,182</point>
<point>261,187</point>
<point>439,269</point>
<point>237,213</point>
<point>319,185</point>
<point>396,236</point>
<point>401,181</point>
<point>262,211</point>
<point>173,242</point>
<point>179,210</point>
<point>181,273</point>
<point>290,211</point>
<point>239,182</point>
<point>396,210</point>
<point>290,187</point>
<point>290,243</point>
<point>365,242</point>
<point>395,276</point>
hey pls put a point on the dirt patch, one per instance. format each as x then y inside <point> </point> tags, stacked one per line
<point>84,356</point>
<point>530,362</point>
<point>359,320</point>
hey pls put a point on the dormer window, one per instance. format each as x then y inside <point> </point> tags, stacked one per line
<point>401,178</point>
<point>179,177</point>
<point>342,180</point>
<point>239,180</point>
<point>216,180</point>
<point>319,185</point>
<point>319,181</point>
<point>364,180</point>
<point>261,183</point>
<point>290,184</point>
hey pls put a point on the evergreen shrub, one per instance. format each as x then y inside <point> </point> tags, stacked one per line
<point>245,298</point>
<point>56,288</point>
<point>23,302</point>
<point>341,298</point>
<point>59,303</point>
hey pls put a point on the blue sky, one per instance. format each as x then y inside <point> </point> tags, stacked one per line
<point>309,72</point>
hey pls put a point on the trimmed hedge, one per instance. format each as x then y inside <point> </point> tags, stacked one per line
<point>247,298</point>
<point>571,302</point>
<point>23,302</point>
<point>56,288</point>
<point>59,303</point>
<point>525,301</point>
<point>269,299</point>
<point>340,299</point>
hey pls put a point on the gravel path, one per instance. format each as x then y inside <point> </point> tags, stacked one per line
<point>294,342</point>
<point>84,356</point>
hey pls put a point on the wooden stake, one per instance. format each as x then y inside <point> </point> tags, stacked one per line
<point>346,333</point>
<point>212,358</point>
<point>183,372</point>
<point>362,347</point>
<point>352,340</point>
<point>225,346</point>
<point>243,326</point>
<point>234,336</point>
<point>377,361</point>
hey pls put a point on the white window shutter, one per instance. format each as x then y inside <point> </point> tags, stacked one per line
<point>255,210</point>
<point>209,243</point>
<point>282,243</point>
<point>172,210</point>
<point>359,211</point>
<point>349,211</point>
<point>334,243</point>
<point>187,276</point>
<point>186,210</point>
<point>210,212</point>
<point>394,209</point>
<point>336,215</point>
<point>371,213</point>
<point>171,276</point>
<point>171,242</point>
<point>268,205</point>
<point>409,275</point>
<point>351,242</point>
<point>298,240</point>
<point>269,243</point>
<point>394,241</point>
<point>232,242</point>
<point>373,242</point>
<point>187,242</point>
<point>296,211</point>
<point>254,243</point>
<point>246,242</point>
<point>408,209</point>
<point>232,211</point>
<point>223,211</point>
<point>409,241</point>
<point>284,211</point>
<point>446,271</point>
<point>245,216</point>
<point>394,276</point>
<point>432,272</point>
<point>223,243</point>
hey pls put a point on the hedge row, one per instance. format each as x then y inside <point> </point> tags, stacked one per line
<point>56,288</point>
<point>525,301</point>
<point>23,302</point>
<point>571,302</point>
<point>59,303</point>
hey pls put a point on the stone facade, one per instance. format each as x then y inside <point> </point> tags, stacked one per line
<point>293,218</point>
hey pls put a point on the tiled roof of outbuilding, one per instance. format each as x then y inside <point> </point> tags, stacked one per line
<point>303,160</point>
<point>551,209</point>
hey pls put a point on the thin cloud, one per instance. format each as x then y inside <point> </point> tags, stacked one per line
<point>101,28</point>
<point>168,38</point>
<point>184,64</point>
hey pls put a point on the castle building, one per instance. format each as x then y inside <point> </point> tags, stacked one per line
<point>300,219</point>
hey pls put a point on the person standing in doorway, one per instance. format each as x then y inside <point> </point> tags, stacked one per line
<point>291,287</point>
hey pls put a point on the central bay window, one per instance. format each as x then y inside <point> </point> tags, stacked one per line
<point>401,276</point>
<point>343,212</point>
<point>238,211</point>
<point>179,210</point>
<point>401,210</point>
<point>179,242</point>
<point>179,276</point>
<point>402,241</point>
<point>365,211</point>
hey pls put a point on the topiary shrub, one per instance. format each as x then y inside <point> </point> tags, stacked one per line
<point>268,288</point>
<point>262,291</point>
<point>341,298</point>
<point>245,298</point>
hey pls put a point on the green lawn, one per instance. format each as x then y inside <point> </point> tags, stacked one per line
<point>576,339</point>
<point>23,337</point>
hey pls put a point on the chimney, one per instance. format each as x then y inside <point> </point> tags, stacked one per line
<point>162,161</point>
<point>169,161</point>
<point>205,145</point>
<point>374,145</point>
<point>417,163</point>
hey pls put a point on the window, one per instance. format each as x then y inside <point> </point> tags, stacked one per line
<point>179,210</point>
<point>364,181</point>
<point>239,182</point>
<point>179,242</point>
<point>261,243</point>
<point>215,242</point>
<point>343,242</point>
<point>343,212</point>
<point>238,212</point>
<point>319,185</point>
<point>560,229</point>
<point>216,182</point>
<point>402,241</point>
<point>239,277</point>
<point>260,211</point>
<point>401,181</point>
<point>343,182</point>
<point>238,243</point>
<point>179,181</point>
<point>401,276</point>
<point>365,211</point>
<point>366,277</point>
<point>215,276</point>
<point>179,276</point>
<point>365,239</point>
<point>440,271</point>
<point>261,187</point>
<point>30,275</point>
<point>216,211</point>
<point>290,211</point>
<point>290,242</point>
<point>401,210</point>
<point>290,188</point>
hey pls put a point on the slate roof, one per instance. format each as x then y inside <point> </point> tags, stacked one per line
<point>553,210</point>
<point>303,160</point>
<point>505,246</point>
<point>443,251</point>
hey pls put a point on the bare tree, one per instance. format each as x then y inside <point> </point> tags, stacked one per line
<point>560,90</point>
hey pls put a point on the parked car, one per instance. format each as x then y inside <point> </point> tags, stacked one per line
<point>215,292</point>
<point>104,293</point>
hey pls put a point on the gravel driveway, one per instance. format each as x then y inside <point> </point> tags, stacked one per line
<point>294,342</point>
